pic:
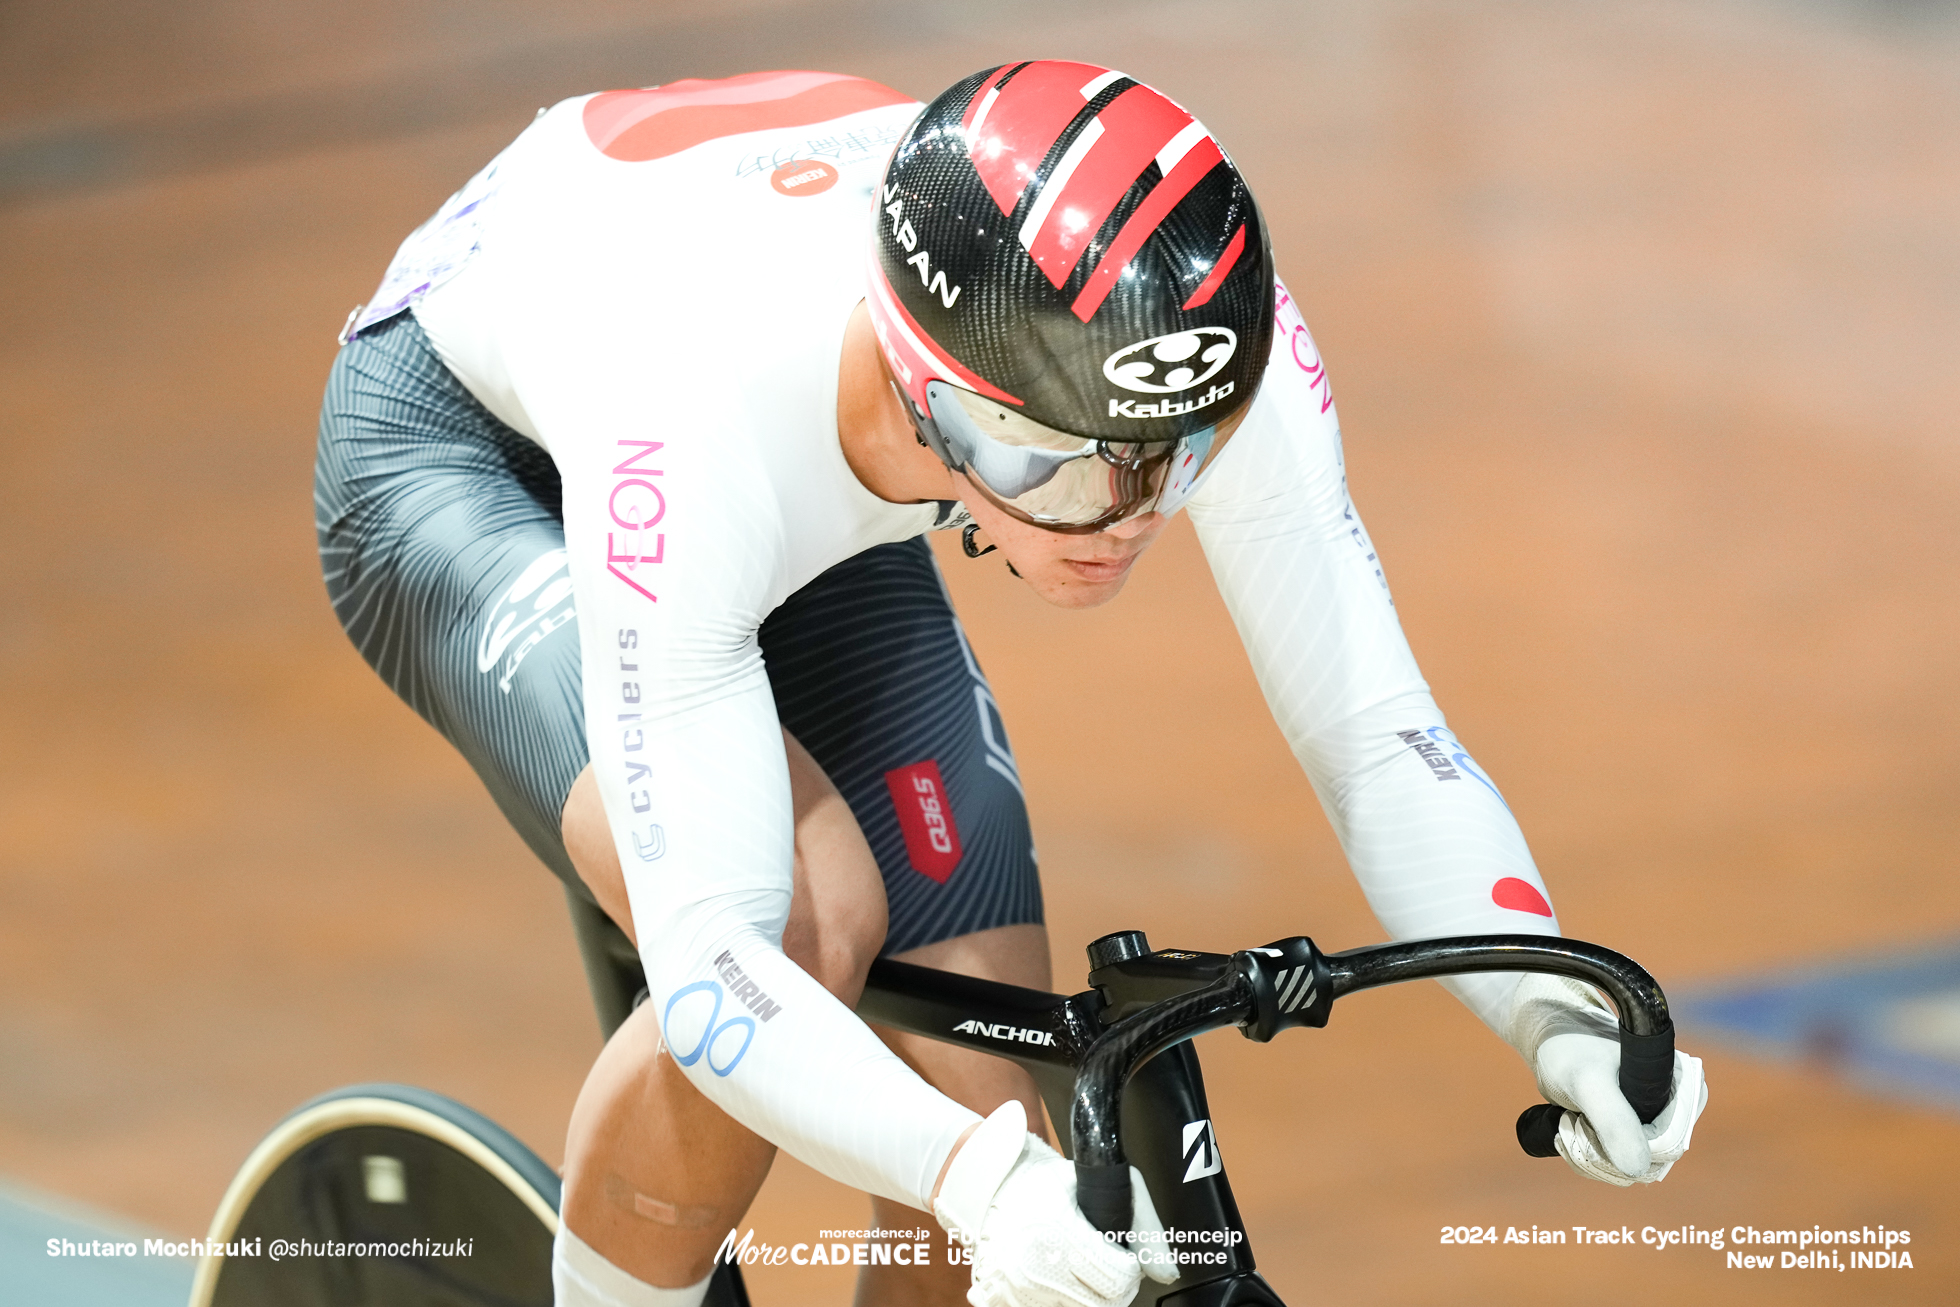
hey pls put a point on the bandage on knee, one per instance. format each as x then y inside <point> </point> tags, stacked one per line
<point>582,1277</point>
<point>622,1194</point>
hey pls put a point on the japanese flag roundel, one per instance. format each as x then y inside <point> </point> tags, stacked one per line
<point>1519,896</point>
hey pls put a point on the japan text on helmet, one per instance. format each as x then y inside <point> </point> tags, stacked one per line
<point>1073,288</point>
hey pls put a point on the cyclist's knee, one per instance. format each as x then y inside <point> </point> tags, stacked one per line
<point>836,945</point>
<point>837,913</point>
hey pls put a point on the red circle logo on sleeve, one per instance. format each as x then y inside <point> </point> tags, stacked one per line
<point>803,177</point>
<point>1519,896</point>
<point>925,815</point>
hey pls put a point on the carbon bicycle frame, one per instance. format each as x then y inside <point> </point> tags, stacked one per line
<point>1047,1034</point>
<point>1115,1062</point>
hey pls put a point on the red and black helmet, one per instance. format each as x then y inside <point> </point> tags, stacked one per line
<point>1071,252</point>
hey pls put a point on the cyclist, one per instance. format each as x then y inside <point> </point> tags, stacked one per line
<point>623,481</point>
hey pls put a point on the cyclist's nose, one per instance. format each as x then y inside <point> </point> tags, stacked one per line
<point>1142,524</point>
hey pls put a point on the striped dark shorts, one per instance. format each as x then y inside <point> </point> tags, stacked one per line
<point>442,540</point>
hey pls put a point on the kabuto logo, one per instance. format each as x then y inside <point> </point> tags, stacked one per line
<point>1003,1031</point>
<point>1165,365</point>
<point>1170,408</point>
<point>538,602</point>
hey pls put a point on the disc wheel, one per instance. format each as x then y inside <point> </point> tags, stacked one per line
<point>440,1206</point>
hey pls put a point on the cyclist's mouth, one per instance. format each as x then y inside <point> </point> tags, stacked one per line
<point>1100,569</point>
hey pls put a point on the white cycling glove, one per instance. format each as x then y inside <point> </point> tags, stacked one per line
<point>1010,1199</point>
<point>1571,1043</point>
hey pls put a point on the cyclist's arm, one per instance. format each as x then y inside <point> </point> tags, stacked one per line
<point>688,755</point>
<point>1430,839</point>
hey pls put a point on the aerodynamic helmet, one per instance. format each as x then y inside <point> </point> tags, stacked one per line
<point>1073,290</point>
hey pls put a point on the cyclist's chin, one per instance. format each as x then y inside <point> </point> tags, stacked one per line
<point>1068,583</point>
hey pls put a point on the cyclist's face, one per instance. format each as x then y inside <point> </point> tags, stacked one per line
<point>1069,571</point>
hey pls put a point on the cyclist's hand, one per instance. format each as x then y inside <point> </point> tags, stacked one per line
<point>1572,1045</point>
<point>1010,1198</point>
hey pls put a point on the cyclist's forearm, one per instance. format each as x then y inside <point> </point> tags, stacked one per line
<point>1429,837</point>
<point>1437,852</point>
<point>784,1057</point>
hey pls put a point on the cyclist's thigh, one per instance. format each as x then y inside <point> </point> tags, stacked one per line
<point>873,675</point>
<point>443,545</point>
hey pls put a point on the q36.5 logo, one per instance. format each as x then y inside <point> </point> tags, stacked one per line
<point>1164,365</point>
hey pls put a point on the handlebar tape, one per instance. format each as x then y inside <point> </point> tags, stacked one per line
<point>1647,1071</point>
<point>1102,1193</point>
<point>1646,1080</point>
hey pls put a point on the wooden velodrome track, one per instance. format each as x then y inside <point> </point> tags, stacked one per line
<point>1641,320</point>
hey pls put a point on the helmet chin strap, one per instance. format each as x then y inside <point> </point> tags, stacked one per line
<point>966,543</point>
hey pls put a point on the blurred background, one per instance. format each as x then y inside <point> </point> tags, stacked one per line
<point>1641,319</point>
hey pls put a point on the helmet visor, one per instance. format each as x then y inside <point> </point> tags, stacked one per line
<point>1056,480</point>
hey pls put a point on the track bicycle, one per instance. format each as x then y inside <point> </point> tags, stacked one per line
<point>390,1167</point>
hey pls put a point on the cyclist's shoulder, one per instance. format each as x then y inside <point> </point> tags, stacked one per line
<point>1296,375</point>
<point>664,122</point>
<point>707,226</point>
<point>640,215</point>
<point>698,145</point>
<point>1286,459</point>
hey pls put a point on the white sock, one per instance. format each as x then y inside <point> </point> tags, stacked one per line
<point>582,1277</point>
